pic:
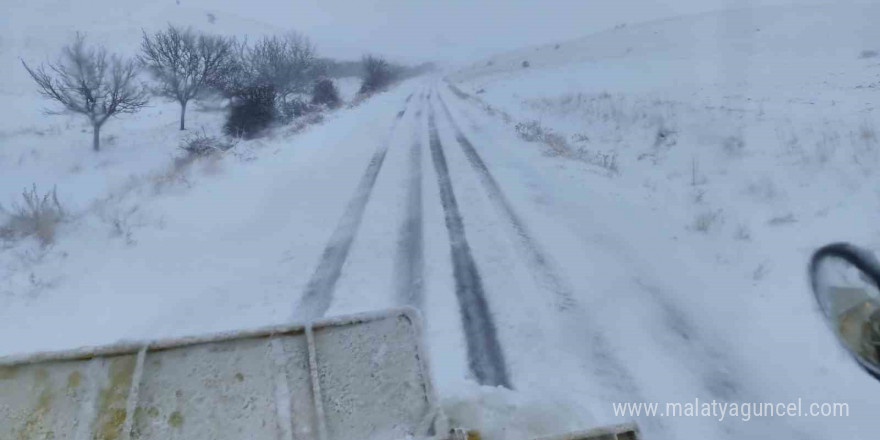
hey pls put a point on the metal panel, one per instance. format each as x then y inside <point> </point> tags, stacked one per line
<point>75,399</point>
<point>360,377</point>
<point>372,388</point>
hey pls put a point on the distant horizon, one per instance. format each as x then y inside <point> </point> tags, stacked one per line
<point>455,31</point>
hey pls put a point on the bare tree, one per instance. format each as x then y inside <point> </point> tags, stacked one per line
<point>185,63</point>
<point>289,64</point>
<point>89,81</point>
<point>378,74</point>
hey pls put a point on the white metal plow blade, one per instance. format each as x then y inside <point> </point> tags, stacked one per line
<point>355,378</point>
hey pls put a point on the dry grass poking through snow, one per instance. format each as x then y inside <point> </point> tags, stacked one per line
<point>533,131</point>
<point>36,215</point>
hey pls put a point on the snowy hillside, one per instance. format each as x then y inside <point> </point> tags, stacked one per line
<point>629,216</point>
<point>740,141</point>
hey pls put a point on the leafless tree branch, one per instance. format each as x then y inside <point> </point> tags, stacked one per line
<point>185,63</point>
<point>91,82</point>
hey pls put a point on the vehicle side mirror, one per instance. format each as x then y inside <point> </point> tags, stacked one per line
<point>845,280</point>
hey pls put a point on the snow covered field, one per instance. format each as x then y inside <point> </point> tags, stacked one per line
<point>647,242</point>
<point>737,153</point>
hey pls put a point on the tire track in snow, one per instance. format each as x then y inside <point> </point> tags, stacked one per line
<point>604,361</point>
<point>318,294</point>
<point>716,370</point>
<point>410,265</point>
<point>485,358</point>
<point>544,269</point>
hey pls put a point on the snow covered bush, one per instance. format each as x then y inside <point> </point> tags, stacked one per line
<point>665,137</point>
<point>301,123</point>
<point>201,145</point>
<point>36,216</point>
<point>378,74</point>
<point>533,131</point>
<point>602,159</point>
<point>530,131</point>
<point>324,92</point>
<point>285,65</point>
<point>294,108</point>
<point>252,111</point>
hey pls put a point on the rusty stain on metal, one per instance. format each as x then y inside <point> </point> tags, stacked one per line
<point>112,399</point>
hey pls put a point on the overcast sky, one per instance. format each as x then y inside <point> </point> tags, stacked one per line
<point>456,29</point>
<point>404,30</point>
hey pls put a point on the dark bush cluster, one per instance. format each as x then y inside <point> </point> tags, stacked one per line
<point>252,110</point>
<point>378,74</point>
<point>325,93</point>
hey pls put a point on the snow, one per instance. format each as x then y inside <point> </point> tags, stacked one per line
<point>686,266</point>
<point>348,87</point>
<point>777,129</point>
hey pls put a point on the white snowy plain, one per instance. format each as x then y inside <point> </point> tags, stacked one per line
<point>687,264</point>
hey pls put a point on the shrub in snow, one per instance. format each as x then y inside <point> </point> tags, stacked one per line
<point>201,145</point>
<point>706,221</point>
<point>760,272</point>
<point>300,124</point>
<point>699,196</point>
<point>251,112</point>
<point>533,131</point>
<point>526,64</point>
<point>665,137</point>
<point>530,131</point>
<point>378,74</point>
<point>603,159</point>
<point>293,109</point>
<point>37,216</point>
<point>91,82</point>
<point>868,54</point>
<point>324,92</point>
<point>184,63</point>
<point>580,138</point>
<point>287,65</point>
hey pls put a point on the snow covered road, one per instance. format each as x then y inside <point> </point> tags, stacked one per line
<point>498,304</point>
<point>545,296</point>
<point>319,292</point>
